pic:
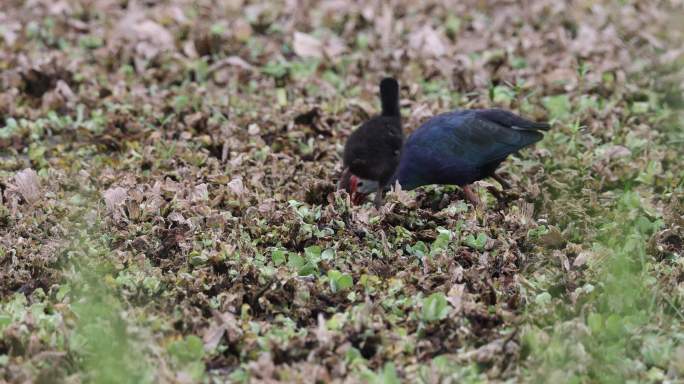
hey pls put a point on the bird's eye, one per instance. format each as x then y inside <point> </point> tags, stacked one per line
<point>359,184</point>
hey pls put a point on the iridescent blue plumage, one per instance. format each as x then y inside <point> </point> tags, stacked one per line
<point>461,147</point>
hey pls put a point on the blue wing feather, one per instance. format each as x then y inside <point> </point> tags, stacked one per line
<point>463,146</point>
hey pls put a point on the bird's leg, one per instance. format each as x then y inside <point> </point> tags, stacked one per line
<point>506,194</point>
<point>471,196</point>
<point>500,180</point>
<point>378,201</point>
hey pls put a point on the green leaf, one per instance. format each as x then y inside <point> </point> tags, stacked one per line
<point>419,249</point>
<point>313,253</point>
<point>614,326</point>
<point>303,266</point>
<point>328,254</point>
<point>353,355</point>
<point>217,29</point>
<point>388,375</point>
<point>339,281</point>
<point>502,94</point>
<point>10,129</point>
<point>5,320</point>
<point>304,68</point>
<point>295,261</point>
<point>537,232</point>
<point>435,307</point>
<point>441,242</point>
<point>595,322</point>
<point>518,62</point>
<point>197,258</point>
<point>640,107</point>
<point>452,25</point>
<point>308,269</point>
<point>281,96</point>
<point>90,42</point>
<point>278,256</point>
<point>188,350</point>
<point>201,68</point>
<point>195,369</point>
<point>276,69</point>
<point>345,281</point>
<point>181,102</point>
<point>362,41</point>
<point>477,243</point>
<point>559,106</point>
<point>543,298</point>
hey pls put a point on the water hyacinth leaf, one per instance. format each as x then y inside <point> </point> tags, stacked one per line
<point>303,266</point>
<point>295,261</point>
<point>543,298</point>
<point>5,320</point>
<point>308,269</point>
<point>188,354</point>
<point>328,254</point>
<point>502,94</point>
<point>279,256</point>
<point>387,375</point>
<point>339,281</point>
<point>187,350</point>
<point>476,242</point>
<point>419,249</point>
<point>167,142</point>
<point>435,307</point>
<point>614,325</point>
<point>441,242</point>
<point>313,254</point>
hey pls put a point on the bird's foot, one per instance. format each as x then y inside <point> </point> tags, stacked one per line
<point>471,196</point>
<point>502,197</point>
<point>504,184</point>
<point>506,195</point>
<point>498,195</point>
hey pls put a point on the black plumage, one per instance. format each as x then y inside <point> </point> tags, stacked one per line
<point>372,152</point>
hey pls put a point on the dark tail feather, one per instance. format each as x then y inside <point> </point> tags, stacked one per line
<point>510,119</point>
<point>389,96</point>
<point>530,137</point>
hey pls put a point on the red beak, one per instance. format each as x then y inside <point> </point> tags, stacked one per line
<point>356,197</point>
<point>350,183</point>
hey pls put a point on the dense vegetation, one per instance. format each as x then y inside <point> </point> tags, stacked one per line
<point>168,209</point>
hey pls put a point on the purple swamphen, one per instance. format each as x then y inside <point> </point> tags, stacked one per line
<point>456,148</point>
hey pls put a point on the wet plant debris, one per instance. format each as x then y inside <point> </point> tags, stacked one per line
<point>169,210</point>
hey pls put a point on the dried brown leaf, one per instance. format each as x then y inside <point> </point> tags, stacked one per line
<point>306,45</point>
<point>27,184</point>
<point>428,42</point>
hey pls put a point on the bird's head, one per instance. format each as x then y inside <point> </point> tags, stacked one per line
<point>356,187</point>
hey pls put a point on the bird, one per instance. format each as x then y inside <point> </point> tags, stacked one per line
<point>456,148</point>
<point>372,151</point>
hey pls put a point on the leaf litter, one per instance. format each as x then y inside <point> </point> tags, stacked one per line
<point>174,164</point>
